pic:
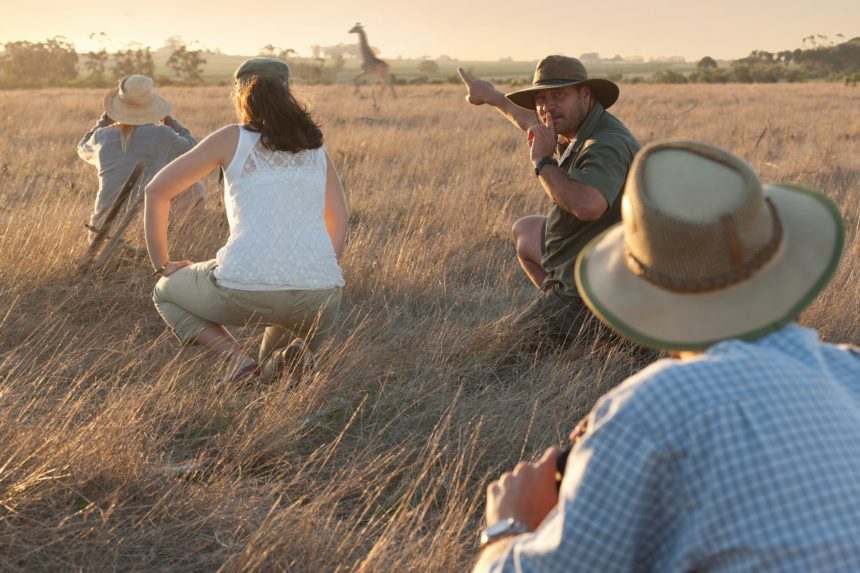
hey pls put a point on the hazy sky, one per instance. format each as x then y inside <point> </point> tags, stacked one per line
<point>465,29</point>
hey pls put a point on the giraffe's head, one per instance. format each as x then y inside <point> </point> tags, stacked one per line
<point>356,29</point>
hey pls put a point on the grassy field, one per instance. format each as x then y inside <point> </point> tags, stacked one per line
<point>379,461</point>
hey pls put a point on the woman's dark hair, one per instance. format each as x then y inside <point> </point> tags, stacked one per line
<point>267,105</point>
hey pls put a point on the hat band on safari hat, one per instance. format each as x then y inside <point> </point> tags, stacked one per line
<point>556,82</point>
<point>741,271</point>
<point>705,253</point>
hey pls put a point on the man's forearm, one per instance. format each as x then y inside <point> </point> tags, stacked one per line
<point>491,553</point>
<point>583,201</point>
<point>482,92</point>
<point>519,116</point>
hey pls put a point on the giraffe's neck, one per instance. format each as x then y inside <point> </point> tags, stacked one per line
<point>366,53</point>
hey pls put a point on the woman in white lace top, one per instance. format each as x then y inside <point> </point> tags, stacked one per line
<point>287,215</point>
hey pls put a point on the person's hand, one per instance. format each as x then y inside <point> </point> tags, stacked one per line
<point>479,91</point>
<point>169,122</point>
<point>542,139</point>
<point>526,494</point>
<point>578,431</point>
<point>173,266</point>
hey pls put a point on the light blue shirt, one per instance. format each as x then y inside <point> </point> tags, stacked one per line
<point>745,458</point>
<point>153,145</point>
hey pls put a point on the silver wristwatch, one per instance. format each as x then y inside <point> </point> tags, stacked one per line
<point>503,528</point>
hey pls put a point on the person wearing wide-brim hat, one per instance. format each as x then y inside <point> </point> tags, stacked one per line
<point>705,254</point>
<point>740,453</point>
<point>580,154</point>
<point>136,126</point>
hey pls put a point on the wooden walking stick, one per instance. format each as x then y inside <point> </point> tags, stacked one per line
<point>102,233</point>
<point>116,239</point>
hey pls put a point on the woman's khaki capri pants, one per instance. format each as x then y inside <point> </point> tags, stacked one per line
<point>190,301</point>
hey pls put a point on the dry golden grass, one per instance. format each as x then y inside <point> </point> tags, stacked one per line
<point>379,462</point>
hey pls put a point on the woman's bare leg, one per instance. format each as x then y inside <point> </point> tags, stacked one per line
<point>218,340</point>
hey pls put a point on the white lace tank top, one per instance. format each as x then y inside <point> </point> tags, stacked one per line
<point>275,203</point>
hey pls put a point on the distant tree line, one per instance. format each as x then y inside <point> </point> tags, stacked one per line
<point>823,60</point>
<point>55,62</point>
<point>28,64</point>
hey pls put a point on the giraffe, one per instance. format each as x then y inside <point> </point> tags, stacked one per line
<point>370,63</point>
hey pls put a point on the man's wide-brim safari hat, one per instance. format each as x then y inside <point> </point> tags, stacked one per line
<point>560,71</point>
<point>704,253</point>
<point>135,102</point>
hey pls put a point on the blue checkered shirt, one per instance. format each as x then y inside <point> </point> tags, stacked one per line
<point>745,458</point>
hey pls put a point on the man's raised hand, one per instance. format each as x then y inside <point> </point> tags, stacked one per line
<point>542,139</point>
<point>479,91</point>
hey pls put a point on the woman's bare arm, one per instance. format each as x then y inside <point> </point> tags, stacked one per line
<point>214,151</point>
<point>336,211</point>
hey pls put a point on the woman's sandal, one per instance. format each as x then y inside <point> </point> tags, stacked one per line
<point>242,378</point>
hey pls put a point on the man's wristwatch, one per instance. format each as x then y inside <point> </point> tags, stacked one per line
<point>543,162</point>
<point>503,528</point>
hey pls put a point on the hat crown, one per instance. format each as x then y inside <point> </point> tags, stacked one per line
<point>559,69</point>
<point>695,218</point>
<point>136,90</point>
<point>134,102</point>
<point>263,67</point>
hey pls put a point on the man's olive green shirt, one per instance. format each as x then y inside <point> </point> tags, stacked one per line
<point>599,156</point>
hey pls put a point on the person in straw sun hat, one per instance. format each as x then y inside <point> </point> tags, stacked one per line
<point>136,126</point>
<point>580,154</point>
<point>739,453</point>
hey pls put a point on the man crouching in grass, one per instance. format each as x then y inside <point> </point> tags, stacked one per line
<point>580,154</point>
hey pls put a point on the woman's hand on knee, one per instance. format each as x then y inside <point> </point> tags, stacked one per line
<point>172,266</point>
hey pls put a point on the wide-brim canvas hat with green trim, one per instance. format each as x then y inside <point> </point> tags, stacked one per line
<point>560,71</point>
<point>704,253</point>
<point>135,102</point>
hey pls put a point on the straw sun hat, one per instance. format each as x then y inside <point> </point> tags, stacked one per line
<point>704,253</point>
<point>135,102</point>
<point>560,71</point>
